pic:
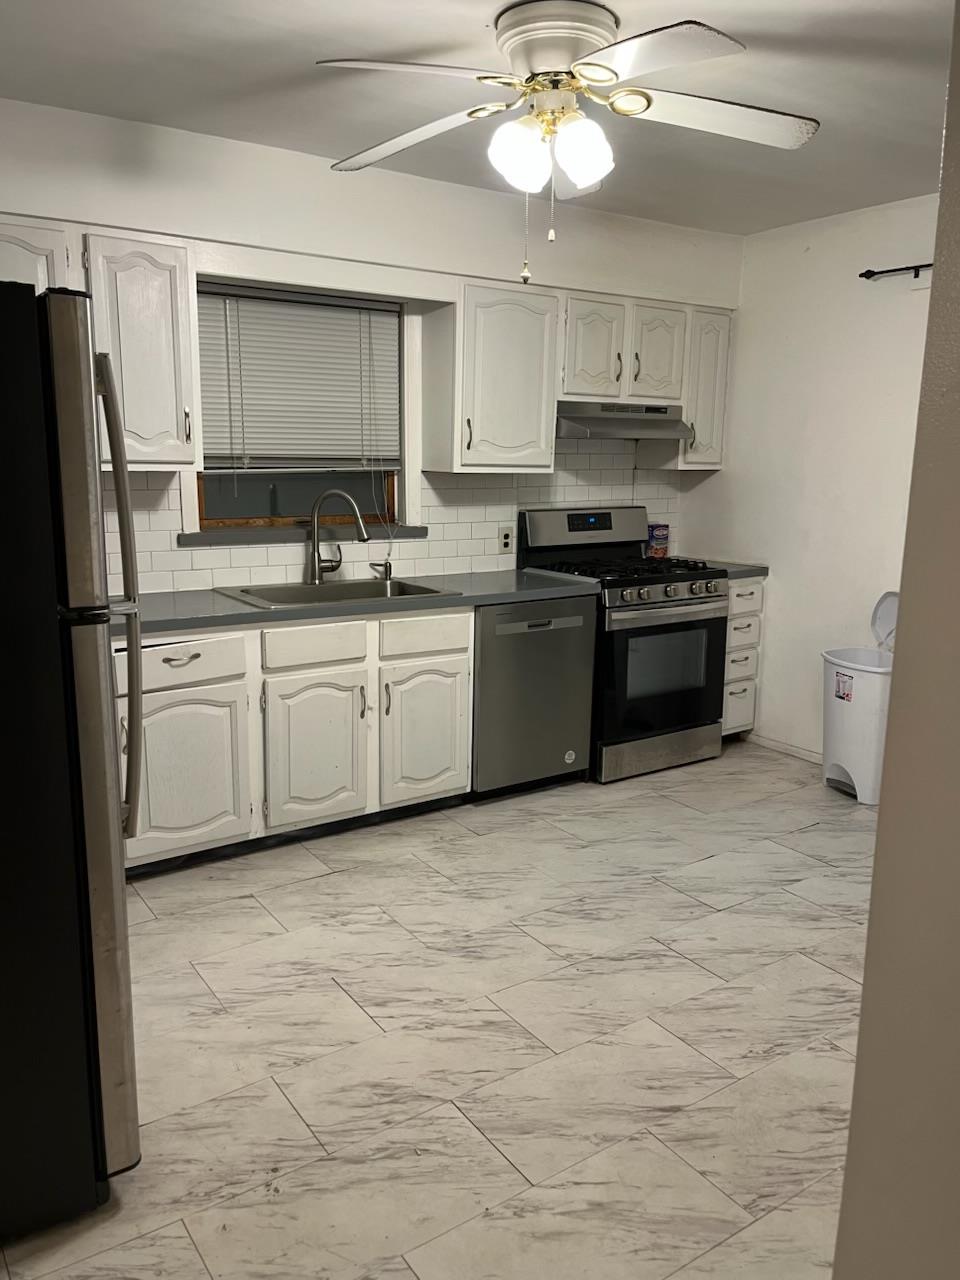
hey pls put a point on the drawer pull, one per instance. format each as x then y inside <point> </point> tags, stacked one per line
<point>739,660</point>
<point>745,595</point>
<point>183,660</point>
<point>739,693</point>
<point>744,626</point>
<point>363,702</point>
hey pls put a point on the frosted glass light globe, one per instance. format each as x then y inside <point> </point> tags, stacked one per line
<point>582,151</point>
<point>518,151</point>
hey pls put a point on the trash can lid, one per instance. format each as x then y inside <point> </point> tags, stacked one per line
<point>884,619</point>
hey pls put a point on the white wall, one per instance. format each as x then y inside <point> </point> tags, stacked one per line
<point>820,436</point>
<point>85,168</point>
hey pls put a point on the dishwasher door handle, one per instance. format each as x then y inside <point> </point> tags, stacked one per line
<point>539,624</point>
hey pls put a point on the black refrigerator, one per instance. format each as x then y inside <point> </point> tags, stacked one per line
<point>68,1105</point>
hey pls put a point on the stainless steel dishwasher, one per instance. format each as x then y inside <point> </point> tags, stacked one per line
<point>533,690</point>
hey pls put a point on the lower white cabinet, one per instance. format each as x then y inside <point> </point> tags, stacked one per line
<point>424,729</point>
<point>741,676</point>
<point>315,745</point>
<point>195,786</point>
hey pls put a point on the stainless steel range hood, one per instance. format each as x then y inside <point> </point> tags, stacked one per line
<point>614,420</point>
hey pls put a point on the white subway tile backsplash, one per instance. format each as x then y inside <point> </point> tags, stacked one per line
<point>463,514</point>
<point>247,557</point>
<point>193,579</point>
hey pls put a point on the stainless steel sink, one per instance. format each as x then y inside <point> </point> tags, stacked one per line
<point>286,595</point>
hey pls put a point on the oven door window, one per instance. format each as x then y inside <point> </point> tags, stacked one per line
<point>658,679</point>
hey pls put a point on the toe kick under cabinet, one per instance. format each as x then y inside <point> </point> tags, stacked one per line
<point>298,724</point>
<point>744,626</point>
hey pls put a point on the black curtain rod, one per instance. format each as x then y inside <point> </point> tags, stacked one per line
<point>914,270</point>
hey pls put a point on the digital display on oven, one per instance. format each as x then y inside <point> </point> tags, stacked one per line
<point>588,521</point>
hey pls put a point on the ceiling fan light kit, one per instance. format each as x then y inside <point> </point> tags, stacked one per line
<point>560,51</point>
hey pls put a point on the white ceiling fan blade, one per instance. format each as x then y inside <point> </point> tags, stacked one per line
<point>383,150</point>
<point>565,188</point>
<point>654,50</point>
<point>732,119</point>
<point>421,68</point>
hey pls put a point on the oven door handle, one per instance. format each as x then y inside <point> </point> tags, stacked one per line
<point>664,615</point>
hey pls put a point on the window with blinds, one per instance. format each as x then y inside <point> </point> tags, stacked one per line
<point>296,381</point>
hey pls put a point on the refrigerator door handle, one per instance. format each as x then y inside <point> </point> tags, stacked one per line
<point>130,605</point>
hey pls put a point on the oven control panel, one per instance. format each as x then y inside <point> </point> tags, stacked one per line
<point>589,521</point>
<point>662,592</point>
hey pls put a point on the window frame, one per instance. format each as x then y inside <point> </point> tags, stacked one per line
<point>309,295</point>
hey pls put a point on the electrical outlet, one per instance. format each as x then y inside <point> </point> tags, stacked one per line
<point>506,539</point>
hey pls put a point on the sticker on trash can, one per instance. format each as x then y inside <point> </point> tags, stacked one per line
<point>843,687</point>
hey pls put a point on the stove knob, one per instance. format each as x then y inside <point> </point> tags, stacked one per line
<point>643,593</point>
<point>711,588</point>
<point>671,591</point>
<point>628,595</point>
<point>697,588</point>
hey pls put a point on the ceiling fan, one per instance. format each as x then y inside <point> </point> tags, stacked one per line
<point>560,51</point>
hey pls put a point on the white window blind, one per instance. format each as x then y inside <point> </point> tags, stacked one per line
<point>288,383</point>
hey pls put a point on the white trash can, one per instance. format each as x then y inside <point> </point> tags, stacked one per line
<point>856,693</point>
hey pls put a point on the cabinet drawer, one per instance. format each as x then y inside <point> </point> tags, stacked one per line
<point>741,665</point>
<point>172,666</point>
<point>739,705</point>
<point>745,597</point>
<point>439,633</point>
<point>743,633</point>
<point>314,646</point>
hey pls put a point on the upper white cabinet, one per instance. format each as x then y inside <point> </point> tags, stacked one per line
<point>315,742</point>
<point>424,729</point>
<point>509,379</point>
<point>593,354</point>
<point>141,316</point>
<point>658,337</point>
<point>195,786</point>
<point>490,381</point>
<point>707,388</point>
<point>36,255</point>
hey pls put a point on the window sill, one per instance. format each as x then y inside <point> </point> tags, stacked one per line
<point>252,537</point>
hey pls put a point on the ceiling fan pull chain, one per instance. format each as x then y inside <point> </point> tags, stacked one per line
<point>525,273</point>
<point>552,234</point>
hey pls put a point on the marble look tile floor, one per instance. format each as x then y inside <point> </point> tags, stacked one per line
<point>584,1031</point>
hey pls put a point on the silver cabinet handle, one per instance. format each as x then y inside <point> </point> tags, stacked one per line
<point>739,693</point>
<point>389,702</point>
<point>738,660</point>
<point>744,626</point>
<point>187,426</point>
<point>619,366</point>
<point>129,607</point>
<point>636,366</point>
<point>745,595</point>
<point>181,660</point>
<point>363,702</point>
<point>469,434</point>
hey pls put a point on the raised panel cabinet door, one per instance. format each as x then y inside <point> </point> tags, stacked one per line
<point>424,729</point>
<point>141,316</point>
<point>509,379</point>
<point>33,255</point>
<point>196,767</point>
<point>594,363</point>
<point>656,354</point>
<point>315,745</point>
<point>709,352</point>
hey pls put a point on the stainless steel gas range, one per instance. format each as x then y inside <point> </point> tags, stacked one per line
<point>661,639</point>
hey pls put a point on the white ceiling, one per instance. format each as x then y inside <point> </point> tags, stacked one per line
<point>874,72</point>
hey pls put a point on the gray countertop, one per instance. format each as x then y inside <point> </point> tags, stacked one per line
<point>201,610</point>
<point>735,570</point>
